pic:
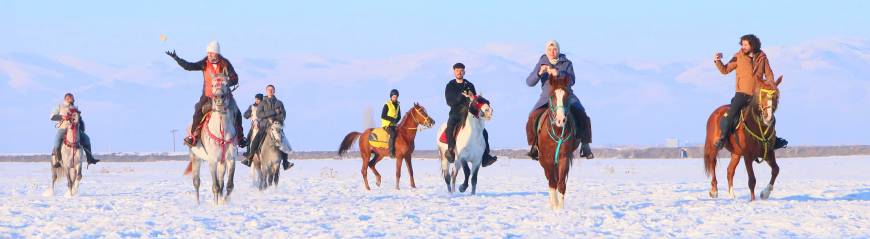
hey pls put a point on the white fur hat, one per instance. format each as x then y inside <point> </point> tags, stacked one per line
<point>213,46</point>
<point>555,44</point>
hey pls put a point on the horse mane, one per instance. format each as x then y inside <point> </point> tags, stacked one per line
<point>478,102</point>
<point>405,117</point>
<point>559,82</point>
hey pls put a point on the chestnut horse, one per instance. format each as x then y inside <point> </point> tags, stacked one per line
<point>556,140</point>
<point>753,139</point>
<point>406,131</point>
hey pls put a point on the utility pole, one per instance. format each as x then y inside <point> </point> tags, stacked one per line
<point>173,138</point>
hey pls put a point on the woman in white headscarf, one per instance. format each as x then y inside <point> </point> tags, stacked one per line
<point>554,63</point>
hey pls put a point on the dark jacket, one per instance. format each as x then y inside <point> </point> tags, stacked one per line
<point>232,80</point>
<point>395,121</point>
<point>453,95</point>
<point>271,108</point>
<point>566,68</point>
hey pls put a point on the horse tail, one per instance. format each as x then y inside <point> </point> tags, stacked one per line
<point>347,142</point>
<point>710,150</point>
<point>189,169</point>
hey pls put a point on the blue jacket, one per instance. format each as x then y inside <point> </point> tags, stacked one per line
<point>566,68</point>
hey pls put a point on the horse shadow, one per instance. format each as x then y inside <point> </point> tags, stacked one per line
<point>859,195</point>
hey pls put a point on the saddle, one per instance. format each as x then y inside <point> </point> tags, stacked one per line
<point>459,126</point>
<point>379,138</point>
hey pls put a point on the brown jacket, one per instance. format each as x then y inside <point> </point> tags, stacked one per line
<point>751,71</point>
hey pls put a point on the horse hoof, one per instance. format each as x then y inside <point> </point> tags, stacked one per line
<point>714,194</point>
<point>765,194</point>
<point>463,187</point>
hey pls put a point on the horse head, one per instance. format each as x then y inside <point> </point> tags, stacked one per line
<point>480,107</point>
<point>73,116</point>
<point>421,117</point>
<point>558,98</point>
<point>767,99</point>
<point>220,91</point>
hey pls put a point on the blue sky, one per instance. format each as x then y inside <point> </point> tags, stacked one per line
<point>643,68</point>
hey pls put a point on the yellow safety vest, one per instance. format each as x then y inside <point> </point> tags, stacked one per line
<point>391,112</point>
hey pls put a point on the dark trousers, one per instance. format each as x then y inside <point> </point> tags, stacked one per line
<point>452,121</point>
<point>737,103</point>
<point>392,131</point>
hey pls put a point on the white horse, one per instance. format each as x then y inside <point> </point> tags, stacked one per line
<point>71,155</point>
<point>267,162</point>
<point>218,145</point>
<point>470,146</point>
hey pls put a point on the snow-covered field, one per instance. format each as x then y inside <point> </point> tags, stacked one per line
<point>814,197</point>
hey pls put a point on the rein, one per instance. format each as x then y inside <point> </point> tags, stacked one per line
<point>561,137</point>
<point>74,144</point>
<point>765,134</point>
<point>221,141</point>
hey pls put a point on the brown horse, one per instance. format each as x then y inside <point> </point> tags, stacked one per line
<point>753,139</point>
<point>406,131</point>
<point>556,141</point>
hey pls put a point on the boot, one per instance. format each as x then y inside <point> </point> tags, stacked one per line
<point>780,143</point>
<point>246,162</point>
<point>90,157</point>
<point>190,141</point>
<point>586,151</point>
<point>533,152</point>
<point>450,154</point>
<point>284,162</point>
<point>242,142</point>
<point>725,129</point>
<point>393,147</point>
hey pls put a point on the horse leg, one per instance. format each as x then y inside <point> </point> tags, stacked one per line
<point>398,171</point>
<point>562,184</point>
<point>774,171</point>
<point>231,174</point>
<point>195,168</point>
<point>70,178</point>
<point>277,174</point>
<point>749,171</point>
<point>215,183</point>
<point>375,159</point>
<point>476,166</point>
<point>732,167</point>
<point>551,181</point>
<point>466,171</point>
<point>454,174</point>
<point>77,178</point>
<point>445,170</point>
<point>50,190</point>
<point>714,184</point>
<point>410,170</point>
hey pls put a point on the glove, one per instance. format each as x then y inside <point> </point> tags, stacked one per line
<point>172,54</point>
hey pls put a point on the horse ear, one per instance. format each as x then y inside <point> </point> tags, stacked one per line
<point>779,80</point>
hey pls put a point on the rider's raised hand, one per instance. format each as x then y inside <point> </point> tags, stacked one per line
<point>717,56</point>
<point>172,54</point>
